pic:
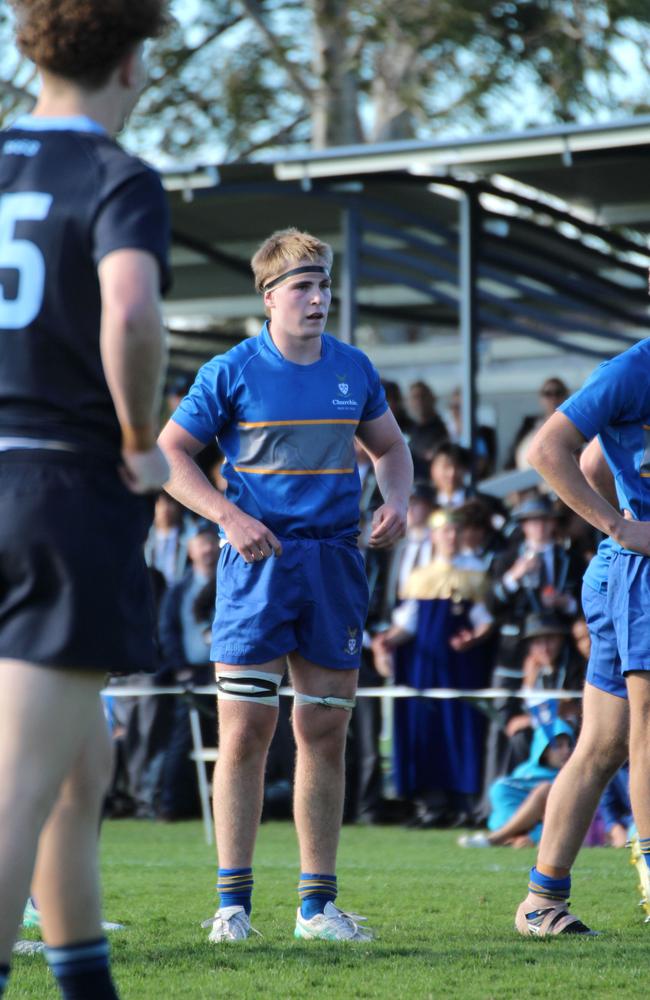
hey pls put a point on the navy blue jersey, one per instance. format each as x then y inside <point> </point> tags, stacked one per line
<point>69,195</point>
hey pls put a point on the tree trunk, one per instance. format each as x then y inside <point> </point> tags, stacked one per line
<point>335,113</point>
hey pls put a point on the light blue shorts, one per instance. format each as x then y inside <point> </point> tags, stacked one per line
<point>313,599</point>
<point>604,667</point>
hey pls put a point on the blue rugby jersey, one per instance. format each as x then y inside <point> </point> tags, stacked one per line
<point>287,432</point>
<point>69,195</point>
<point>614,403</point>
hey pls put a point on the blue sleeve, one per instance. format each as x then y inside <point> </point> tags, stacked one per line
<point>135,216</point>
<point>614,393</point>
<point>207,408</point>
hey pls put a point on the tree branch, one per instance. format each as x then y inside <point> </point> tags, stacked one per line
<point>255,13</point>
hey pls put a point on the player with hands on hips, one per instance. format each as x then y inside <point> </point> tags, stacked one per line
<point>285,407</point>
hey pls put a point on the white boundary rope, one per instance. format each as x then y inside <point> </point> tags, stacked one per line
<point>389,691</point>
<point>201,756</point>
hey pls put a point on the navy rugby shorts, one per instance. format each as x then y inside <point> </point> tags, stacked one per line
<point>604,667</point>
<point>74,588</point>
<point>313,599</point>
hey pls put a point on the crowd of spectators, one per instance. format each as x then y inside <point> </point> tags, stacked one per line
<point>483,592</point>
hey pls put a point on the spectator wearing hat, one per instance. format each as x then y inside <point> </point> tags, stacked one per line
<point>547,660</point>
<point>536,574</point>
<point>440,638</point>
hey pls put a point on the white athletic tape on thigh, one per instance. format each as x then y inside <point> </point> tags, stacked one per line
<point>329,701</point>
<point>249,685</point>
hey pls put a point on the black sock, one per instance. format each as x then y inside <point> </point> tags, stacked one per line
<point>4,976</point>
<point>82,970</point>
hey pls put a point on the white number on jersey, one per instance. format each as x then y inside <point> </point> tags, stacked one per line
<point>23,256</point>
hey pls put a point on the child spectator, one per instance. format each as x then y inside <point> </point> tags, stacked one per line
<point>518,801</point>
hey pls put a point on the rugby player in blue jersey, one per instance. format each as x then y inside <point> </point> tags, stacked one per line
<point>612,410</point>
<point>83,254</point>
<point>285,407</point>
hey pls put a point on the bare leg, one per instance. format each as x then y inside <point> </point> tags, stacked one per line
<point>600,751</point>
<point>638,686</point>
<point>245,733</point>
<point>528,815</point>
<point>46,716</point>
<point>320,734</point>
<point>67,851</point>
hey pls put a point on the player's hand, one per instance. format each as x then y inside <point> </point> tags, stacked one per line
<point>633,535</point>
<point>144,471</point>
<point>388,525</point>
<point>252,539</point>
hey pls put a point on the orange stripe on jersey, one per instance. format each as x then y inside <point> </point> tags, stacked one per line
<point>294,423</point>
<point>293,472</point>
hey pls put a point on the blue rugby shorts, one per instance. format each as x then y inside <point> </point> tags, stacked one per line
<point>604,667</point>
<point>312,599</point>
<point>628,604</point>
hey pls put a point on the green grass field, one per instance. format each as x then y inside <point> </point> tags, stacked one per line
<point>443,918</point>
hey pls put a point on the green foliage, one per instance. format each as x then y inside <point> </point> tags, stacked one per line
<point>443,915</point>
<point>238,76</point>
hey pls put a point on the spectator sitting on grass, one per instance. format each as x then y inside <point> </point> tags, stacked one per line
<point>519,800</point>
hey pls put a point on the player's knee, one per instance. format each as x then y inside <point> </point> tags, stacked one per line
<point>321,725</point>
<point>602,755</point>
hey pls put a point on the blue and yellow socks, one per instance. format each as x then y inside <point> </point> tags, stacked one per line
<point>315,892</point>
<point>82,970</point>
<point>235,887</point>
<point>550,888</point>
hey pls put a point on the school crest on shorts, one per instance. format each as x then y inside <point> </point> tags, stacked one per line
<point>352,643</point>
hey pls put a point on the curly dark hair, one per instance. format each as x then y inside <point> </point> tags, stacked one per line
<point>84,40</point>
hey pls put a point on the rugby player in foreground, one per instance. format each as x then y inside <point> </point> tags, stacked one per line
<point>83,253</point>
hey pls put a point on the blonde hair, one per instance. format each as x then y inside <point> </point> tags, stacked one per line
<point>285,249</point>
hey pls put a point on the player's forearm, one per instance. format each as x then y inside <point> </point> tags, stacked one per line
<point>556,461</point>
<point>394,472</point>
<point>134,356</point>
<point>597,472</point>
<point>193,489</point>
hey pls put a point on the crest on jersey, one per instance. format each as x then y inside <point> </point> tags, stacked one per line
<point>352,643</point>
<point>344,388</point>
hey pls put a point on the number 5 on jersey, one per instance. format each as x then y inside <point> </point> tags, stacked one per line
<point>21,255</point>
